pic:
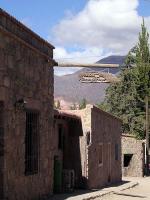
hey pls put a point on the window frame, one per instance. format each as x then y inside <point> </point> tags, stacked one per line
<point>32,170</point>
<point>116,152</point>
<point>127,159</point>
<point>100,147</point>
<point>60,136</point>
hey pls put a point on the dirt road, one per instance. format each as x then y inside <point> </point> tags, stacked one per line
<point>142,191</point>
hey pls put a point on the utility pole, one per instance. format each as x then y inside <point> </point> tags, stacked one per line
<point>147,133</point>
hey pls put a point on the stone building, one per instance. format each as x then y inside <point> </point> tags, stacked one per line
<point>90,155</point>
<point>26,112</point>
<point>133,156</point>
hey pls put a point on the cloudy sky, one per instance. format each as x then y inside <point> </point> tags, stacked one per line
<point>83,30</point>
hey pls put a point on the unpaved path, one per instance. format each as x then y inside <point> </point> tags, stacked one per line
<point>142,191</point>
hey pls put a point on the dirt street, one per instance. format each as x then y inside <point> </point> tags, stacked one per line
<point>142,191</point>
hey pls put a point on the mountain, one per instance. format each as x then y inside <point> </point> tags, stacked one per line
<point>70,89</point>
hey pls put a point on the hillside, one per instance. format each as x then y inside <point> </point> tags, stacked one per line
<point>70,89</point>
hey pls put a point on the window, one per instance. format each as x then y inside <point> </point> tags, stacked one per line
<point>88,138</point>
<point>127,159</point>
<point>116,152</point>
<point>32,143</point>
<point>100,154</point>
<point>60,136</point>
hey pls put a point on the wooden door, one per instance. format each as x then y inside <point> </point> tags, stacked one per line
<point>109,162</point>
<point>57,175</point>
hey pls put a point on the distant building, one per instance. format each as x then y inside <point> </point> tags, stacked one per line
<point>133,156</point>
<point>26,112</point>
<point>87,149</point>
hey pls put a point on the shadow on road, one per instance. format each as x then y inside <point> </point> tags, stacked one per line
<point>81,192</point>
<point>130,195</point>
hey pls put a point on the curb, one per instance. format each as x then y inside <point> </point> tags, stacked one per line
<point>131,186</point>
<point>104,193</point>
<point>98,195</point>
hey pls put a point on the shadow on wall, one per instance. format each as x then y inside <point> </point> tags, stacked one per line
<point>72,153</point>
<point>67,161</point>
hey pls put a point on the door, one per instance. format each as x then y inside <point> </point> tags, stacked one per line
<point>57,175</point>
<point>109,162</point>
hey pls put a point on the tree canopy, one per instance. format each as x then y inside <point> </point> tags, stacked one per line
<point>126,99</point>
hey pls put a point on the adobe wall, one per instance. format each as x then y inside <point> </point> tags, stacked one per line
<point>87,129</point>
<point>25,73</point>
<point>103,129</point>
<point>106,131</point>
<point>131,145</point>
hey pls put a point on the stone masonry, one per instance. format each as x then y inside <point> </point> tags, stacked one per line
<point>135,148</point>
<point>105,131</point>
<point>26,74</point>
<point>101,141</point>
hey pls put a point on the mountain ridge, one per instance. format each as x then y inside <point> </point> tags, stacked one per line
<point>70,89</point>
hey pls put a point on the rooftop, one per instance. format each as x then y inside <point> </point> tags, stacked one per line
<point>63,113</point>
<point>11,26</point>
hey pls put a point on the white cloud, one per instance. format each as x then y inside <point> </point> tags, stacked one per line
<point>102,28</point>
<point>89,55</point>
<point>104,24</point>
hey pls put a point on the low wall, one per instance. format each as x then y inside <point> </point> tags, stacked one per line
<point>132,156</point>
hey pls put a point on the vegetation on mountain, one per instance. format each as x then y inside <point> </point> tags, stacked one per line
<point>74,106</point>
<point>83,104</point>
<point>57,105</point>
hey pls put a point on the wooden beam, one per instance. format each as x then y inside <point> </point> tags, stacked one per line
<point>100,65</point>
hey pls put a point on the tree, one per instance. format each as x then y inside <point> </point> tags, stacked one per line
<point>143,63</point>
<point>83,104</point>
<point>73,107</point>
<point>57,105</point>
<point>126,99</point>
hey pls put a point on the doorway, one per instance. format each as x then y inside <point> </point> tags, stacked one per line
<point>109,162</point>
<point>57,175</point>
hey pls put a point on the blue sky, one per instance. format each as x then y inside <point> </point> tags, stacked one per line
<point>83,28</point>
<point>41,16</point>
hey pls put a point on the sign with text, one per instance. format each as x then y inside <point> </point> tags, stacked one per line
<point>93,77</point>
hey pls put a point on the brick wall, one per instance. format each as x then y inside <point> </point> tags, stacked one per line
<point>25,74</point>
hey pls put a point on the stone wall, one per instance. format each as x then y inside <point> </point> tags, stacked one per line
<point>106,131</point>
<point>99,128</point>
<point>134,147</point>
<point>26,74</point>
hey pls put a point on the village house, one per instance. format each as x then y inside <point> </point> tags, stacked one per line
<point>41,150</point>
<point>26,112</point>
<point>133,156</point>
<point>87,149</point>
